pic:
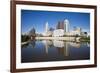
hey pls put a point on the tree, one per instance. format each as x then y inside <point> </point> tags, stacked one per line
<point>24,38</point>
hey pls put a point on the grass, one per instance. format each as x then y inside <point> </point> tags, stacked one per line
<point>85,39</point>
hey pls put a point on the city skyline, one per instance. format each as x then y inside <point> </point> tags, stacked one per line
<point>38,19</point>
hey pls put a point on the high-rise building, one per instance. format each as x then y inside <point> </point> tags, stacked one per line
<point>60,25</point>
<point>66,25</point>
<point>46,27</point>
<point>63,25</point>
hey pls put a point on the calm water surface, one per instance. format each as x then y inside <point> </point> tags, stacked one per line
<point>47,50</point>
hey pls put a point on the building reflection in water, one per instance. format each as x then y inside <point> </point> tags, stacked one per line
<point>47,44</point>
<point>88,44</point>
<point>54,49</point>
<point>74,44</point>
<point>61,46</point>
<point>32,43</point>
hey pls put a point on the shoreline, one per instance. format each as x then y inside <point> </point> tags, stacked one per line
<point>56,38</point>
<point>73,39</point>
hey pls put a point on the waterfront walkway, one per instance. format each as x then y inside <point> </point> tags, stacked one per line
<point>56,38</point>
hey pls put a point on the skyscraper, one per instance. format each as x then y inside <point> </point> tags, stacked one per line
<point>60,25</point>
<point>63,25</point>
<point>66,25</point>
<point>46,27</point>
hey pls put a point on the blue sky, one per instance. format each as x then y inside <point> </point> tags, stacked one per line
<point>38,19</point>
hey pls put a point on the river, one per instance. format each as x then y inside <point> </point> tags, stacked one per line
<point>54,50</point>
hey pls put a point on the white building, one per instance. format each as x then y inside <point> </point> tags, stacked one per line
<point>58,32</point>
<point>63,29</point>
<point>47,32</point>
<point>61,32</point>
<point>46,27</point>
<point>66,25</point>
<point>77,31</point>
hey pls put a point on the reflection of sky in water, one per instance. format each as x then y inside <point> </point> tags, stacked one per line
<point>46,50</point>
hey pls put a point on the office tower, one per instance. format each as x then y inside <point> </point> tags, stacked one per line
<point>66,25</point>
<point>60,25</point>
<point>46,27</point>
<point>63,25</point>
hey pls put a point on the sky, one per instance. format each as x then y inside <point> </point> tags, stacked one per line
<point>38,19</point>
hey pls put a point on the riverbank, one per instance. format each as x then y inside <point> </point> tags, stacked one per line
<point>24,43</point>
<point>71,39</point>
<point>56,38</point>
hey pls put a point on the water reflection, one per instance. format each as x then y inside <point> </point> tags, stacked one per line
<point>74,44</point>
<point>54,50</point>
<point>58,43</point>
<point>32,44</point>
<point>61,46</point>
